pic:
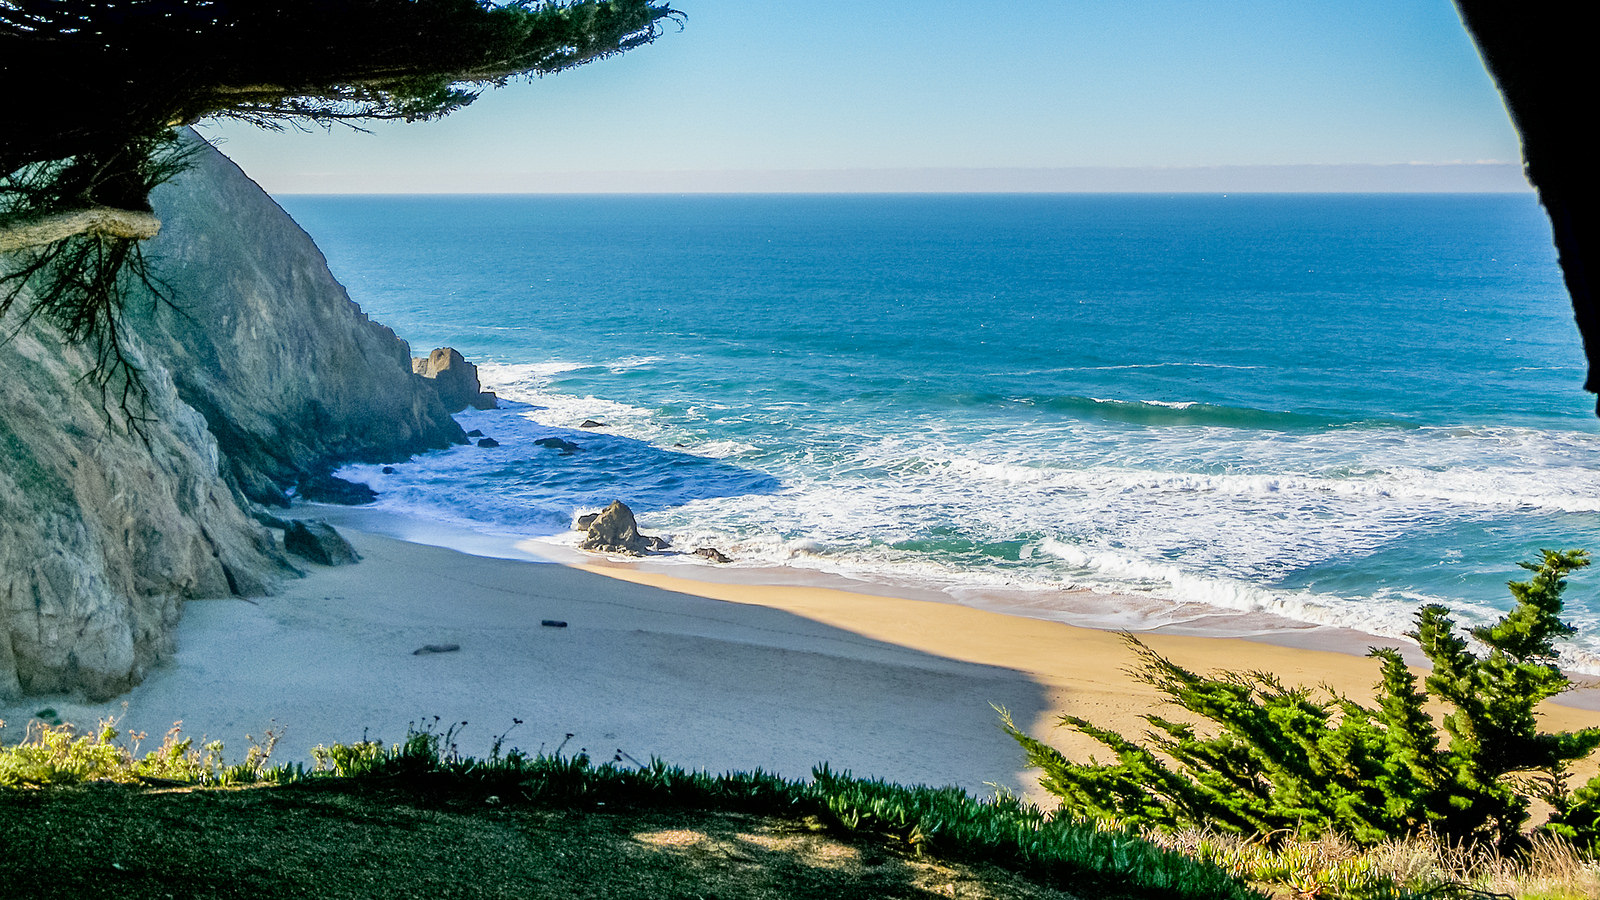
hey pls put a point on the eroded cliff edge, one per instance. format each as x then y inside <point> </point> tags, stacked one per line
<point>263,374</point>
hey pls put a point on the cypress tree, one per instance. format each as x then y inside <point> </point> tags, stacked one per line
<point>1273,760</point>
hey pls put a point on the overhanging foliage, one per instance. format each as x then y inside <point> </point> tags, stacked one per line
<point>95,88</point>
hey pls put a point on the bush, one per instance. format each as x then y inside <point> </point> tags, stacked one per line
<point>57,754</point>
<point>1290,761</point>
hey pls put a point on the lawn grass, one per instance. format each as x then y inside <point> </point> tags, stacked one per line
<point>87,817</point>
<point>355,840</point>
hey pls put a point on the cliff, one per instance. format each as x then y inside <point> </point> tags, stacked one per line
<point>263,374</point>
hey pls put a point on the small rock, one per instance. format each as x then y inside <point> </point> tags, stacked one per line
<point>319,543</point>
<point>475,433</point>
<point>388,470</point>
<point>590,423</point>
<point>567,448</point>
<point>713,554</point>
<point>584,521</point>
<point>488,442</point>
<point>435,648</point>
<point>553,623</point>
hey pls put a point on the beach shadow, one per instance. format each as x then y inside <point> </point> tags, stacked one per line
<point>700,683</point>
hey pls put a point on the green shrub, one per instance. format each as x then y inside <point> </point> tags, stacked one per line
<point>55,754</point>
<point>1290,761</point>
<point>1091,860</point>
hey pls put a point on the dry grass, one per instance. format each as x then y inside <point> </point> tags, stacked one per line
<point>1334,867</point>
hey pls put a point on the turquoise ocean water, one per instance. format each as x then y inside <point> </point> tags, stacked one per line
<point>1331,408</point>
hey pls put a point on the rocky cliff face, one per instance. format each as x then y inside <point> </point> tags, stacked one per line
<point>264,375</point>
<point>290,375</point>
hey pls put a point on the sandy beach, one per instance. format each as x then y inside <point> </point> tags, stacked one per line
<point>703,674</point>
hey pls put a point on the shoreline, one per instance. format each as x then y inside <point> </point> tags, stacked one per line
<point>1095,611</point>
<point>1091,609</point>
<point>701,674</point>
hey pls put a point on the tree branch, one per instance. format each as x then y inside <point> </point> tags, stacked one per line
<point>102,221</point>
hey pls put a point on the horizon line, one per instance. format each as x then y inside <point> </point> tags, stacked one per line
<point>1487,177</point>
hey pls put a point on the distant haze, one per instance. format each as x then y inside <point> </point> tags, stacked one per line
<point>939,95</point>
<point>1404,178</point>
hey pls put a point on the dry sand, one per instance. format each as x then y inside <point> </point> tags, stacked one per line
<point>706,675</point>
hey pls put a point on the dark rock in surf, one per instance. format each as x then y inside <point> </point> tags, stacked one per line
<point>567,448</point>
<point>590,423</point>
<point>713,554</point>
<point>613,530</point>
<point>488,442</point>
<point>332,489</point>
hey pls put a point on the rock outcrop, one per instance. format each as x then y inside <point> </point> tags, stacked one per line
<point>318,542</point>
<point>455,379</point>
<point>290,374</point>
<point>104,532</point>
<point>264,376</point>
<point>613,530</point>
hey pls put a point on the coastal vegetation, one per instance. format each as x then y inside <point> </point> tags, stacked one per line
<point>998,847</point>
<point>1279,764</point>
<point>84,814</point>
<point>78,162</point>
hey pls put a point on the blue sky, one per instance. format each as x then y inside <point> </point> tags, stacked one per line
<point>934,95</point>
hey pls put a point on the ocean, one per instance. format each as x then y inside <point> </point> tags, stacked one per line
<point>1329,408</point>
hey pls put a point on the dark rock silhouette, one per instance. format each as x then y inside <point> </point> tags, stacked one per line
<point>332,489</point>
<point>1538,58</point>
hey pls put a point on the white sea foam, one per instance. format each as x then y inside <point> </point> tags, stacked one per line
<point>1209,515</point>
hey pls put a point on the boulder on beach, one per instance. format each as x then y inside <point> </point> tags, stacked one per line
<point>713,554</point>
<point>613,530</point>
<point>318,542</point>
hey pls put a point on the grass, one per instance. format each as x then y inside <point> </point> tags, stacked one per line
<point>1551,869</point>
<point>360,841</point>
<point>89,816</point>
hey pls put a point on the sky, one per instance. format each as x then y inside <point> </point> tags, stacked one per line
<point>988,95</point>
